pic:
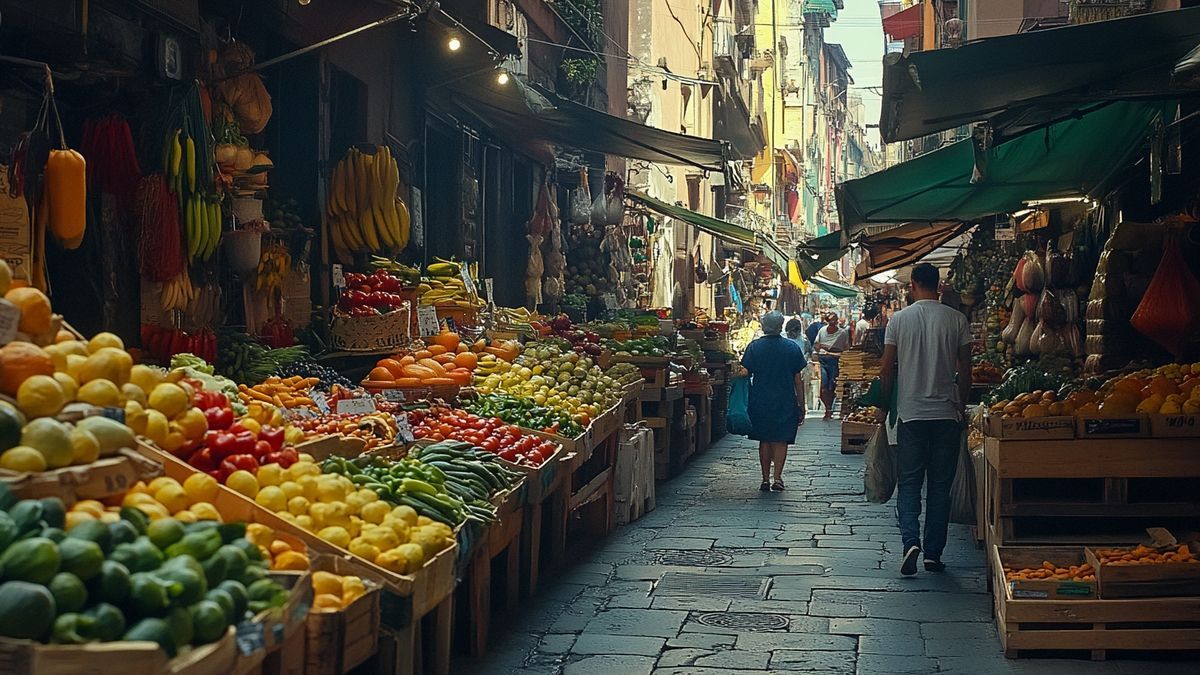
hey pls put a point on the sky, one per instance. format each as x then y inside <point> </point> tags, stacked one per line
<point>860,32</point>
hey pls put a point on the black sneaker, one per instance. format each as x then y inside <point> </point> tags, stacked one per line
<point>933,565</point>
<point>777,486</point>
<point>765,487</point>
<point>909,566</point>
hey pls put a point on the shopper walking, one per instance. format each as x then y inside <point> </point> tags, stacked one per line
<point>831,341</point>
<point>795,332</point>
<point>927,359</point>
<point>863,325</point>
<point>776,406</point>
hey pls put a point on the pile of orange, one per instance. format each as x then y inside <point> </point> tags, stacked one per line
<point>445,360</point>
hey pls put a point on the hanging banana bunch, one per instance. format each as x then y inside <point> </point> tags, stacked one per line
<point>363,212</point>
<point>178,293</point>
<point>188,162</point>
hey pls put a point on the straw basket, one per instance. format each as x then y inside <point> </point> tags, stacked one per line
<point>370,333</point>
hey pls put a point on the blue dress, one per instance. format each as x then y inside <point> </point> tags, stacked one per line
<point>773,362</point>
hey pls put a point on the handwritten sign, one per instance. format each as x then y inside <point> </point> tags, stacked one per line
<point>467,280</point>
<point>403,428</point>
<point>427,321</point>
<point>10,318</point>
<point>339,277</point>
<point>490,284</point>
<point>320,401</point>
<point>357,406</point>
<point>394,395</point>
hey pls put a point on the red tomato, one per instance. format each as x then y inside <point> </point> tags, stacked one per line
<point>490,444</point>
<point>508,454</point>
<point>437,437</point>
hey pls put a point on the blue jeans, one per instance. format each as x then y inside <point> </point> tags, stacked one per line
<point>926,448</point>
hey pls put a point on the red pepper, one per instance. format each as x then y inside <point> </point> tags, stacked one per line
<point>288,456</point>
<point>262,449</point>
<point>203,459</point>
<point>224,470</point>
<point>244,443</point>
<point>273,436</point>
<point>224,445</point>
<point>245,462</point>
<point>219,418</point>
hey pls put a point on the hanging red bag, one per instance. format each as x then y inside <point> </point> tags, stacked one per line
<point>1168,313</point>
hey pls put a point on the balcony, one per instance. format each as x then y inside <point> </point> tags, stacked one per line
<point>727,56</point>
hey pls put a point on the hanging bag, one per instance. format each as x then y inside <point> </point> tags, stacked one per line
<point>879,477</point>
<point>737,418</point>
<point>962,490</point>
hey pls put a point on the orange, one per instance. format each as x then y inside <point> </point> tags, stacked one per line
<point>392,366</point>
<point>436,349</point>
<point>20,361</point>
<point>466,360</point>
<point>35,309</point>
<point>447,340</point>
<point>381,374</point>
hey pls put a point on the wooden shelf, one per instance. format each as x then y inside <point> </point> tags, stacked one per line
<point>1087,458</point>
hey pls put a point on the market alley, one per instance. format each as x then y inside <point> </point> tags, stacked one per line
<point>807,583</point>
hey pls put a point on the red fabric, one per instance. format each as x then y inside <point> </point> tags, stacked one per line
<point>904,24</point>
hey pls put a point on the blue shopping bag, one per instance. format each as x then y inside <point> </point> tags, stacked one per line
<point>737,417</point>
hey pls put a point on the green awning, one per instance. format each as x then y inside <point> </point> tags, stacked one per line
<point>1035,78</point>
<point>834,288</point>
<point>772,252</point>
<point>816,254</point>
<point>718,228</point>
<point>816,6</point>
<point>1081,157</point>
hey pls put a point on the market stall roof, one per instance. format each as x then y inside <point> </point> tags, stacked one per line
<point>772,252</point>
<point>904,24</point>
<point>1031,79</point>
<point>734,124</point>
<point>1075,158</point>
<point>834,288</point>
<point>520,110</point>
<point>904,245</point>
<point>816,254</point>
<point>718,228</point>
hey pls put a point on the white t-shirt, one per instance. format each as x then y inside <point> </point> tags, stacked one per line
<point>837,340</point>
<point>927,336</point>
<point>860,330</point>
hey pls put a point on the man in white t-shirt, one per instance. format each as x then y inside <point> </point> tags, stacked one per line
<point>927,360</point>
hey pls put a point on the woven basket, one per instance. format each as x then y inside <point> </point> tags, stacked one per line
<point>370,333</point>
<point>445,392</point>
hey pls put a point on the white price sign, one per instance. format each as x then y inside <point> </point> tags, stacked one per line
<point>394,395</point>
<point>357,406</point>
<point>339,277</point>
<point>10,318</point>
<point>610,300</point>
<point>489,284</point>
<point>403,428</point>
<point>467,280</point>
<point>427,321</point>
<point>319,400</point>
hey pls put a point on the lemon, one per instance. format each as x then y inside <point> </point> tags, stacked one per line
<point>40,396</point>
<point>308,487</point>
<point>205,510</point>
<point>102,340</point>
<point>75,365</point>
<point>329,489</point>
<point>169,399</point>
<point>338,536</point>
<point>243,482</point>
<point>85,447</point>
<point>272,498</point>
<point>297,506</point>
<point>146,378</point>
<point>174,440</point>
<point>270,474</point>
<point>69,386</point>
<point>173,497</point>
<point>57,356</point>
<point>131,392</point>
<point>107,363</point>
<point>185,516</point>
<point>157,427</point>
<point>101,393</point>
<point>291,489</point>
<point>192,423</point>
<point>201,487</point>
<point>51,438</point>
<point>364,549</point>
<point>375,512</point>
<point>305,521</point>
<point>22,458</point>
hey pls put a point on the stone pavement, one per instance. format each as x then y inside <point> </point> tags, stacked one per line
<point>808,583</point>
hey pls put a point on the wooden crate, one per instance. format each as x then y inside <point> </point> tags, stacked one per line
<point>1183,425</point>
<point>25,657</point>
<point>105,477</point>
<point>1131,426</point>
<point>1033,428</point>
<point>1024,557</point>
<point>1152,580</point>
<point>1093,627</point>
<point>503,539</point>
<point>337,642</point>
<point>855,436</point>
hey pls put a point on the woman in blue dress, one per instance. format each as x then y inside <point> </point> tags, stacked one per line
<point>776,406</point>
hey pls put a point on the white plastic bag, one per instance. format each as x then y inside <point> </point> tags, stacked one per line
<point>599,210</point>
<point>879,478</point>
<point>581,206</point>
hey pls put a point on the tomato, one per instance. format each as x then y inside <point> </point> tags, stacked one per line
<point>508,454</point>
<point>535,456</point>
<point>420,432</point>
<point>445,429</point>
<point>526,444</point>
<point>490,444</point>
<point>437,437</point>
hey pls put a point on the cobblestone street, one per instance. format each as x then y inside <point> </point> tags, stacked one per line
<point>724,579</point>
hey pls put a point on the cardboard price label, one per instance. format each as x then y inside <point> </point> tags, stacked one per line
<point>403,428</point>
<point>339,277</point>
<point>357,406</point>
<point>319,400</point>
<point>427,321</point>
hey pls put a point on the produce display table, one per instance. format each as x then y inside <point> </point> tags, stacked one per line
<point>1089,491</point>
<point>501,540</point>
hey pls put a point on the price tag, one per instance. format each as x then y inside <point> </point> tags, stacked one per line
<point>357,406</point>
<point>610,300</point>
<point>319,400</point>
<point>339,277</point>
<point>394,395</point>
<point>427,321</point>
<point>302,413</point>
<point>403,429</point>
<point>489,284</point>
<point>10,318</point>
<point>467,280</point>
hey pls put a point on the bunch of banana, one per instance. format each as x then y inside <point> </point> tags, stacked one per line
<point>205,307</point>
<point>202,224</point>
<point>178,293</point>
<point>409,275</point>
<point>444,269</point>
<point>490,364</point>
<point>363,211</point>
<point>444,286</point>
<point>272,268</point>
<point>514,318</point>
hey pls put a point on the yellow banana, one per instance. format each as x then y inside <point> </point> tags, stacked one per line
<point>189,227</point>
<point>338,241</point>
<point>350,232</point>
<point>404,222</point>
<point>369,231</point>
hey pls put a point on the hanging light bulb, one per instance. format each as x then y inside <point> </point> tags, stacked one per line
<point>454,44</point>
<point>304,3</point>
<point>502,78</point>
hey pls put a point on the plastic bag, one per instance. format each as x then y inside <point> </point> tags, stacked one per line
<point>1168,313</point>
<point>962,490</point>
<point>879,477</point>
<point>599,210</point>
<point>737,416</point>
<point>614,189</point>
<point>581,206</point>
